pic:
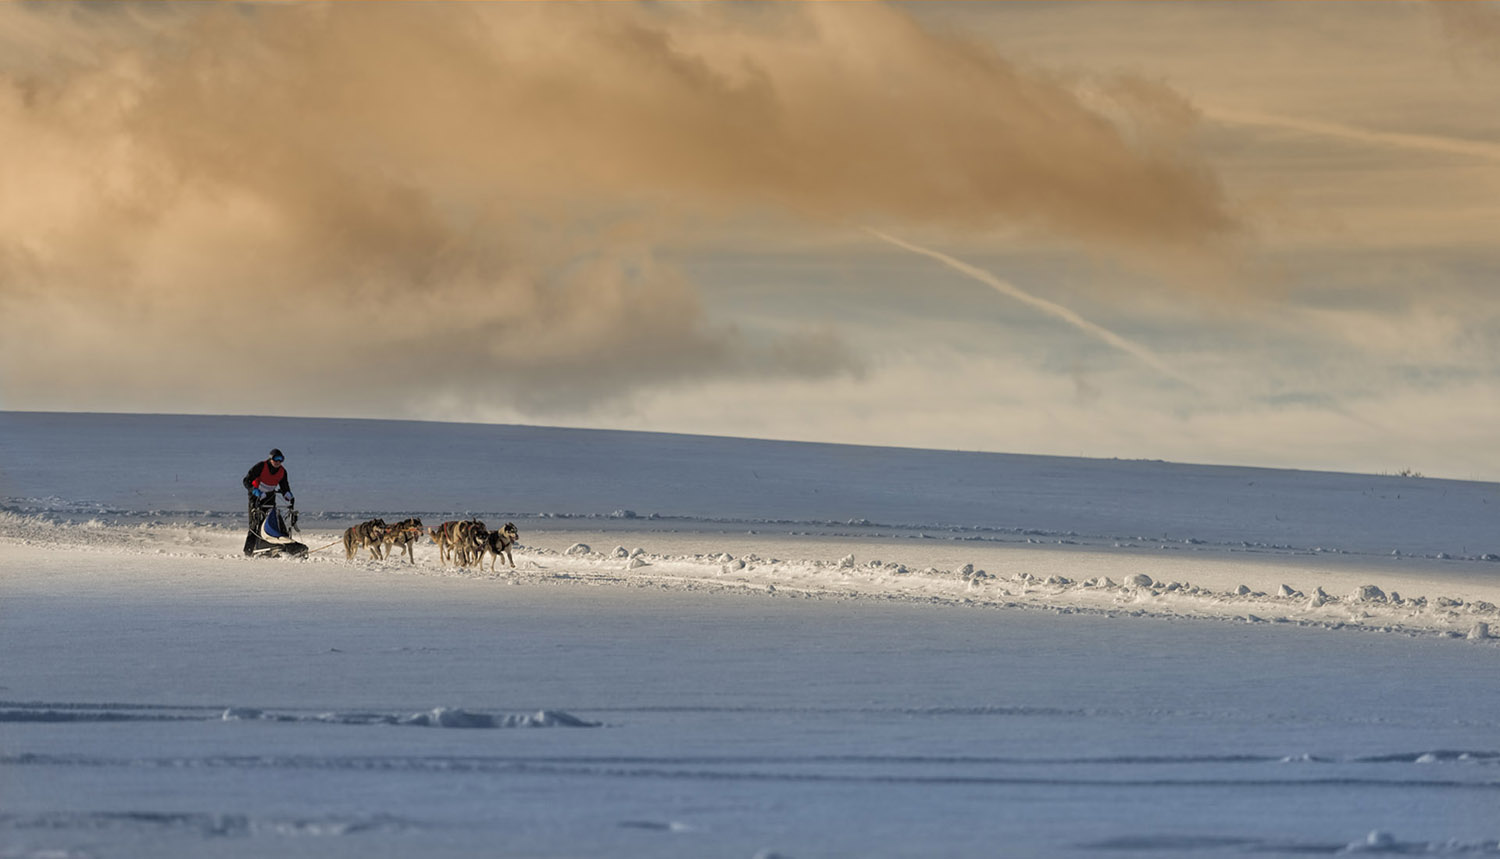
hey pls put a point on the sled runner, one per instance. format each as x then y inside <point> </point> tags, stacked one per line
<point>272,538</point>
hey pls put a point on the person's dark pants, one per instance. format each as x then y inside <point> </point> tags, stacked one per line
<point>258,509</point>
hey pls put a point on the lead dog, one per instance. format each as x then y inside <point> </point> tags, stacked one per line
<point>498,543</point>
<point>400,537</point>
<point>364,535</point>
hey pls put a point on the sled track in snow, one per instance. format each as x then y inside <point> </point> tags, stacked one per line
<point>1349,604</point>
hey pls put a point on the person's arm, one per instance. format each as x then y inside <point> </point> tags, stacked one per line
<point>250,476</point>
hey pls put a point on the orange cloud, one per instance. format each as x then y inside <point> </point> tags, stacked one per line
<point>467,202</point>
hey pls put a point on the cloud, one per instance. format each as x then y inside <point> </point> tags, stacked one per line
<point>1423,142</point>
<point>1472,27</point>
<point>1051,308</point>
<point>1003,402</point>
<point>371,208</point>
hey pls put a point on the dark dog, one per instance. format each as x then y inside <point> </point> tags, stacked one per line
<point>400,537</point>
<point>367,535</point>
<point>498,543</point>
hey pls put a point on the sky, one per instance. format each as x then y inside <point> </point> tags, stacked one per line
<point>1245,233</point>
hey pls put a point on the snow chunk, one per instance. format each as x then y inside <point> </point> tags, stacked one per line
<point>444,717</point>
<point>1375,842</point>
<point>440,717</point>
<point>1368,593</point>
<point>1479,631</point>
<point>579,549</point>
<point>1139,580</point>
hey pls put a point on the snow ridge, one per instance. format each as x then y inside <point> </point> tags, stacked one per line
<point>1336,599</point>
<point>439,717</point>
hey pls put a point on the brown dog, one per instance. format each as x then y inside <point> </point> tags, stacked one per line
<point>364,535</point>
<point>458,540</point>
<point>470,546</point>
<point>400,537</point>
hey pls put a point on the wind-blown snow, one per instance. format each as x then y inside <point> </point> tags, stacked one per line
<point>777,649</point>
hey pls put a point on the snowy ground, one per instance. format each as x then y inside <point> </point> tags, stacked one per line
<point>790,650</point>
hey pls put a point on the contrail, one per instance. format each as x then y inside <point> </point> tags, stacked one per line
<point>1403,140</point>
<point>1006,288</point>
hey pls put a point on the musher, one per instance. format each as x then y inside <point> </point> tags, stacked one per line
<point>263,481</point>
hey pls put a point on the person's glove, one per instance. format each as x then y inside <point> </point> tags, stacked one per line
<point>290,499</point>
<point>256,492</point>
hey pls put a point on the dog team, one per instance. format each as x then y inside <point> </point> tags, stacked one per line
<point>466,542</point>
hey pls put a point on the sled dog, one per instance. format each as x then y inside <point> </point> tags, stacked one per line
<point>456,539</point>
<point>470,546</point>
<point>497,544</point>
<point>400,537</point>
<point>366,535</point>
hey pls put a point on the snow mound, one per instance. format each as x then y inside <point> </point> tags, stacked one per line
<point>443,717</point>
<point>438,717</point>
<point>1379,841</point>
<point>200,824</point>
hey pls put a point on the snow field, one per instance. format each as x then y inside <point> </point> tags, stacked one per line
<point>790,650</point>
<point>368,704</point>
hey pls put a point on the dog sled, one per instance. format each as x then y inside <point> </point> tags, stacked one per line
<point>270,533</point>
